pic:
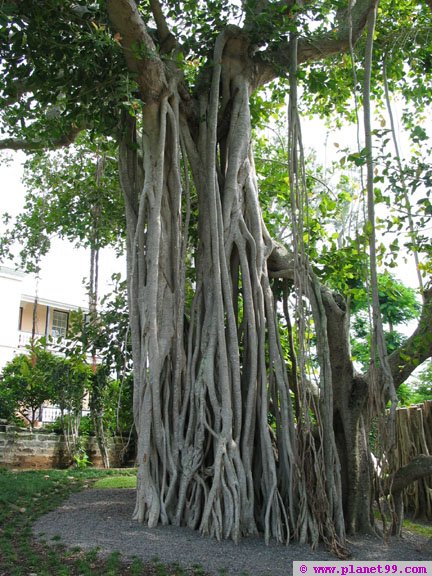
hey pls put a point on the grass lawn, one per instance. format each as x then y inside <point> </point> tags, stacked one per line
<point>116,482</point>
<point>26,495</point>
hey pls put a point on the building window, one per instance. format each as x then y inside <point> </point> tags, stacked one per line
<point>59,324</point>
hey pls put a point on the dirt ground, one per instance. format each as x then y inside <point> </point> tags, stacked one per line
<point>102,519</point>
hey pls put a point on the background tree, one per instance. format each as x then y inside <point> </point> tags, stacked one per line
<point>398,305</point>
<point>114,348</point>
<point>30,380</point>
<point>106,335</point>
<point>71,383</point>
<point>72,194</point>
<point>421,388</point>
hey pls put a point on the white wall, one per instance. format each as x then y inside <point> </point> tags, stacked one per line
<point>10,296</point>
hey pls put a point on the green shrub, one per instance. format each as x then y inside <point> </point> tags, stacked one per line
<point>27,382</point>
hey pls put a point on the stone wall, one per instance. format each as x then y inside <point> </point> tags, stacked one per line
<point>21,448</point>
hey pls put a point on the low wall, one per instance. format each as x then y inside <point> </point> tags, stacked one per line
<point>21,448</point>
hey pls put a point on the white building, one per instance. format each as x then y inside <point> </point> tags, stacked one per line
<point>10,303</point>
<point>21,314</point>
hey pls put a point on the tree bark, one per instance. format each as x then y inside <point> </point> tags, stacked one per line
<point>418,468</point>
<point>206,388</point>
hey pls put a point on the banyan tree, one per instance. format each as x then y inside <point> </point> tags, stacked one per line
<point>233,436</point>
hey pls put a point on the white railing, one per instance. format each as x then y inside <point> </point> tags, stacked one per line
<point>51,413</point>
<point>24,339</point>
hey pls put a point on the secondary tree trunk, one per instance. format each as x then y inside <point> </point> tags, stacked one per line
<point>351,419</point>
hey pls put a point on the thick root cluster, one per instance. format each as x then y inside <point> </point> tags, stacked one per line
<point>219,446</point>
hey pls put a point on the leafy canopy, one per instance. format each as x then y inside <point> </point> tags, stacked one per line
<point>63,68</point>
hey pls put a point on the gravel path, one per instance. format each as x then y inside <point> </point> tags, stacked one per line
<point>102,518</point>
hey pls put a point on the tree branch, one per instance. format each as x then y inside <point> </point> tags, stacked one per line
<point>34,145</point>
<point>281,262</point>
<point>419,467</point>
<point>138,48</point>
<point>167,40</point>
<point>417,348</point>
<point>349,29</point>
<point>403,361</point>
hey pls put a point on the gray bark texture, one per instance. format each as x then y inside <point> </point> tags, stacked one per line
<point>218,448</point>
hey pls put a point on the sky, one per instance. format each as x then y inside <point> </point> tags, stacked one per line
<point>64,267</point>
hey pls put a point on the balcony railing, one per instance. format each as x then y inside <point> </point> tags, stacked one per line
<point>24,339</point>
<point>51,413</point>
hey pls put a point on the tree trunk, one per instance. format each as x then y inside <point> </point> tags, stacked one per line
<point>218,445</point>
<point>351,420</point>
<point>153,193</point>
<point>96,401</point>
<point>101,438</point>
